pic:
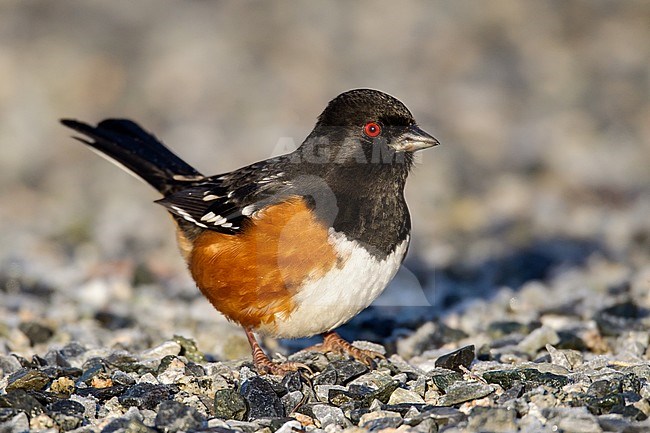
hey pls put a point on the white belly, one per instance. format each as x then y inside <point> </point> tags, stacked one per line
<point>326,303</point>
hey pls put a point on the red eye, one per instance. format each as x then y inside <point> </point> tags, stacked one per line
<point>372,129</point>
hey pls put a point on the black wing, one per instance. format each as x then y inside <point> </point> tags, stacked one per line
<point>224,202</point>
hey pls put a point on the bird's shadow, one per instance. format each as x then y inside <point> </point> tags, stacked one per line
<point>420,293</point>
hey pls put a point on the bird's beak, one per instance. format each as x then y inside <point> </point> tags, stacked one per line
<point>413,139</point>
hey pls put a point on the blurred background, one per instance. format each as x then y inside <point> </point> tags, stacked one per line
<point>542,108</point>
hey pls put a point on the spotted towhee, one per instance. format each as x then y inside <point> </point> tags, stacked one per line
<point>295,245</point>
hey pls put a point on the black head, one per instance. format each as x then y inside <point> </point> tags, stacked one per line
<point>365,125</point>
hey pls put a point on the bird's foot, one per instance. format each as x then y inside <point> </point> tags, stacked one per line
<point>264,365</point>
<point>332,342</point>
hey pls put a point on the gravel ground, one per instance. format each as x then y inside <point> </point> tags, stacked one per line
<point>524,302</point>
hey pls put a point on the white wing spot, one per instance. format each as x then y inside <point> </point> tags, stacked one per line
<point>210,197</point>
<point>207,216</point>
<point>226,225</point>
<point>218,220</point>
<point>191,177</point>
<point>271,177</point>
<point>187,217</point>
<point>248,210</point>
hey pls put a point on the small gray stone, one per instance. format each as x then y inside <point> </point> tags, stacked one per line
<point>245,426</point>
<point>89,404</point>
<point>341,372</point>
<point>91,368</point>
<point>373,380</point>
<point>36,332</point>
<point>538,339</point>
<point>121,378</point>
<point>174,416</point>
<point>577,420</point>
<point>229,404</point>
<point>20,400</point>
<point>328,415</point>
<point>442,416</point>
<point>401,395</point>
<point>292,400</point>
<point>462,391</point>
<point>613,423</point>
<point>504,328</point>
<point>530,377</point>
<point>380,420</point>
<point>427,425</point>
<point>373,385</point>
<point>17,424</point>
<point>166,348</point>
<point>146,395</point>
<point>292,381</point>
<point>72,350</point>
<point>8,365</point>
<point>566,358</point>
<point>189,349</point>
<point>127,425</point>
<point>262,400</point>
<point>370,346</point>
<point>291,426</point>
<point>492,419</point>
<point>419,385</point>
<point>443,378</point>
<point>323,391</point>
<point>457,359</point>
<point>67,414</point>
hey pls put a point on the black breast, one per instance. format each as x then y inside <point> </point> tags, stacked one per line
<point>366,203</point>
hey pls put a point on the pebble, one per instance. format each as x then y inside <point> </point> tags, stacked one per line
<point>529,376</point>
<point>162,350</point>
<point>261,399</point>
<point>17,424</point>
<point>63,385</point>
<point>293,381</point>
<point>538,339</point>
<point>341,372</point>
<point>577,420</point>
<point>121,378</point>
<point>323,391</point>
<point>146,395</point>
<point>329,415</point>
<point>370,346</point>
<point>37,333</point>
<point>462,357</point>
<point>292,400</point>
<point>568,359</point>
<point>27,379</point>
<point>189,349</point>
<point>379,420</point>
<point>492,419</point>
<point>8,365</point>
<point>67,414</point>
<point>229,404</point>
<point>443,379</point>
<point>20,400</point>
<point>173,416</point>
<point>460,392</point>
<point>401,395</point>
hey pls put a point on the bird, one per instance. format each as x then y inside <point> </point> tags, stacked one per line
<point>294,245</point>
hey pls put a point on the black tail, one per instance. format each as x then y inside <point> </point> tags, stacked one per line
<point>133,148</point>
